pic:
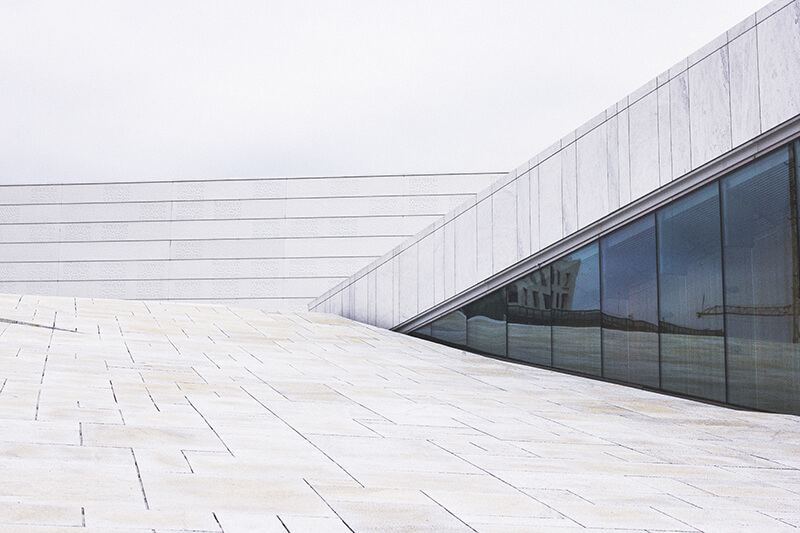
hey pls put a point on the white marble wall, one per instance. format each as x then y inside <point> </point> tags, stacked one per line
<point>739,86</point>
<point>269,243</point>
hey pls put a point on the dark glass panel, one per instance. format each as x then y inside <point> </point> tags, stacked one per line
<point>630,303</point>
<point>761,275</point>
<point>424,331</point>
<point>690,289</point>
<point>486,323</point>
<point>451,328</point>
<point>529,318</point>
<point>575,286</point>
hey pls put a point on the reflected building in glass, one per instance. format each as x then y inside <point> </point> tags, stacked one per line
<point>699,297</point>
<point>656,246</point>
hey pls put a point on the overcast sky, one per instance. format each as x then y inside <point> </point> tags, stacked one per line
<point>128,90</point>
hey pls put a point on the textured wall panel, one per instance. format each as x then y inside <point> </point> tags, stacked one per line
<point>644,146</point>
<point>466,249</point>
<point>745,119</point>
<point>735,88</point>
<point>551,227</point>
<point>504,227</point>
<point>779,65</point>
<point>710,111</point>
<point>592,176</point>
<point>217,240</point>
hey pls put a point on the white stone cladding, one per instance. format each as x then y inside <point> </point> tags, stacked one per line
<point>738,87</point>
<point>272,243</point>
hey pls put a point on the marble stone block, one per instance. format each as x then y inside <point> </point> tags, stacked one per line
<point>449,259</point>
<point>550,207</point>
<point>504,227</point>
<point>710,107</point>
<point>466,249</point>
<point>680,133</point>
<point>569,186</point>
<point>384,301</point>
<point>523,194</point>
<point>372,291</point>
<point>361,299</point>
<point>664,136</point>
<point>438,265</point>
<point>484,238</point>
<point>592,176</point>
<point>407,283</point>
<point>612,161</point>
<point>624,154</point>
<point>779,65</point>
<point>534,208</point>
<point>745,107</point>
<point>425,284</point>
<point>644,146</point>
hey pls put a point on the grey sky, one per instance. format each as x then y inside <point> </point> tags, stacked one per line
<point>99,91</point>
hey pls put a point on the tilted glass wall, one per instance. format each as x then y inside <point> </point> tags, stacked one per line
<point>700,298</point>
<point>630,303</point>
<point>575,289</point>
<point>760,266</point>
<point>690,288</point>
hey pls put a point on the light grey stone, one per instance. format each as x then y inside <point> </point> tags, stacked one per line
<point>745,107</point>
<point>590,125</point>
<point>523,194</point>
<point>466,249</point>
<point>710,48</point>
<point>592,176</point>
<point>484,238</point>
<point>504,228</point>
<point>770,9</point>
<point>438,265</point>
<point>664,136</point>
<point>642,91</point>
<point>779,65</point>
<point>680,132</point>
<point>449,269</point>
<point>551,228</point>
<point>426,281</point>
<point>710,107</point>
<point>644,146</point>
<point>385,292</point>
<point>534,208</point>
<point>407,283</point>
<point>744,26</point>
<point>624,147</point>
<point>679,68</point>
<point>361,299</point>
<point>569,192</point>
<point>612,160</point>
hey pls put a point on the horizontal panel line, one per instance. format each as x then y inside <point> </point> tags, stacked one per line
<point>256,178</point>
<point>213,299</point>
<point>215,239</point>
<point>172,279</point>
<point>280,258</point>
<point>160,220</point>
<point>249,199</point>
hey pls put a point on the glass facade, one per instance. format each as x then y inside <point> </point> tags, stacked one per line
<point>575,286</point>
<point>689,284</point>
<point>700,298</point>
<point>630,303</point>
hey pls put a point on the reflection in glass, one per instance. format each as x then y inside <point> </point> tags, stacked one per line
<point>451,328</point>
<point>486,323</point>
<point>690,289</point>
<point>529,318</point>
<point>761,276</point>
<point>575,308</point>
<point>630,303</point>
